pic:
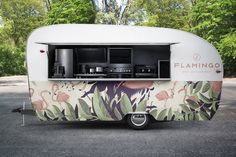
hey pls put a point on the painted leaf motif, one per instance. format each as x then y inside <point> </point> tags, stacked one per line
<point>56,111</point>
<point>117,114</point>
<point>112,101</point>
<point>215,95</point>
<point>50,114</point>
<point>192,104</point>
<point>142,106</point>
<point>186,116</point>
<point>96,104</point>
<point>169,114</point>
<point>204,98</point>
<point>125,104</point>
<point>40,115</point>
<point>84,110</point>
<point>206,87</point>
<point>198,87</point>
<point>69,112</point>
<point>214,105</point>
<point>191,116</point>
<point>162,115</point>
<point>210,93</point>
<point>99,107</point>
<point>196,116</point>
<point>203,115</point>
<point>191,88</point>
<point>76,112</point>
<point>196,96</point>
<point>185,108</point>
<point>178,116</point>
<point>153,113</point>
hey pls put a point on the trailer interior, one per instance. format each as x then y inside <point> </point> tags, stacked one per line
<point>109,62</point>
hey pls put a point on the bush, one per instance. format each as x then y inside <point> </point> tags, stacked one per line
<point>11,61</point>
<point>227,48</point>
<point>71,11</point>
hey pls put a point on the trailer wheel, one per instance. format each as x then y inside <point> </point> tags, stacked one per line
<point>138,121</point>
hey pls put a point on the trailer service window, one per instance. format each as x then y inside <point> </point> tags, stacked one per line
<point>109,62</point>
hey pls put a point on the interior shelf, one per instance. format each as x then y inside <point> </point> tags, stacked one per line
<point>109,79</point>
<point>109,62</point>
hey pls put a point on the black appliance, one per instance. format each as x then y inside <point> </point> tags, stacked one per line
<point>58,71</point>
<point>120,55</point>
<point>145,71</point>
<point>89,69</point>
<point>120,62</point>
<point>164,69</point>
<point>120,70</point>
<point>91,55</point>
<point>63,65</point>
<point>99,69</point>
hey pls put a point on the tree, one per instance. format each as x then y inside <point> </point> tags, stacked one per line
<point>21,16</point>
<point>167,13</point>
<point>11,61</point>
<point>71,11</point>
<point>227,48</point>
<point>5,38</point>
<point>215,21</point>
<point>124,13</point>
<point>212,19</point>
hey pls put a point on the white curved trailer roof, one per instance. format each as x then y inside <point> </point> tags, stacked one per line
<point>192,58</point>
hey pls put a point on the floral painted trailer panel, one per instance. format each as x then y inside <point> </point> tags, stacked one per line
<point>191,93</point>
<point>164,100</point>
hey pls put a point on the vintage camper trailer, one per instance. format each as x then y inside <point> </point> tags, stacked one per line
<point>80,72</point>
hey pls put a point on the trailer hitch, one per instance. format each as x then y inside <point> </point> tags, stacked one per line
<point>24,111</point>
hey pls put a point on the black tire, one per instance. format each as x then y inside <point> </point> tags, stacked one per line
<point>138,121</point>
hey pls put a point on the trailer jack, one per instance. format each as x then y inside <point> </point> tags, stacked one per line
<point>24,112</point>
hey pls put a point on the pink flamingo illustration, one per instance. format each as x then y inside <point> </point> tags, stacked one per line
<point>185,93</point>
<point>31,92</point>
<point>59,96</point>
<point>193,98</point>
<point>41,103</point>
<point>164,96</point>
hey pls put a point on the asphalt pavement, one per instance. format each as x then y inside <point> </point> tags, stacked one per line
<point>208,138</point>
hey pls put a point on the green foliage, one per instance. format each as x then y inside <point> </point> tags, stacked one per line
<point>227,48</point>
<point>202,108</point>
<point>11,61</point>
<point>214,20</point>
<point>125,13</point>
<point>69,112</point>
<point>84,110</point>
<point>167,13</point>
<point>20,18</point>
<point>99,106</point>
<point>71,11</point>
<point>125,104</point>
